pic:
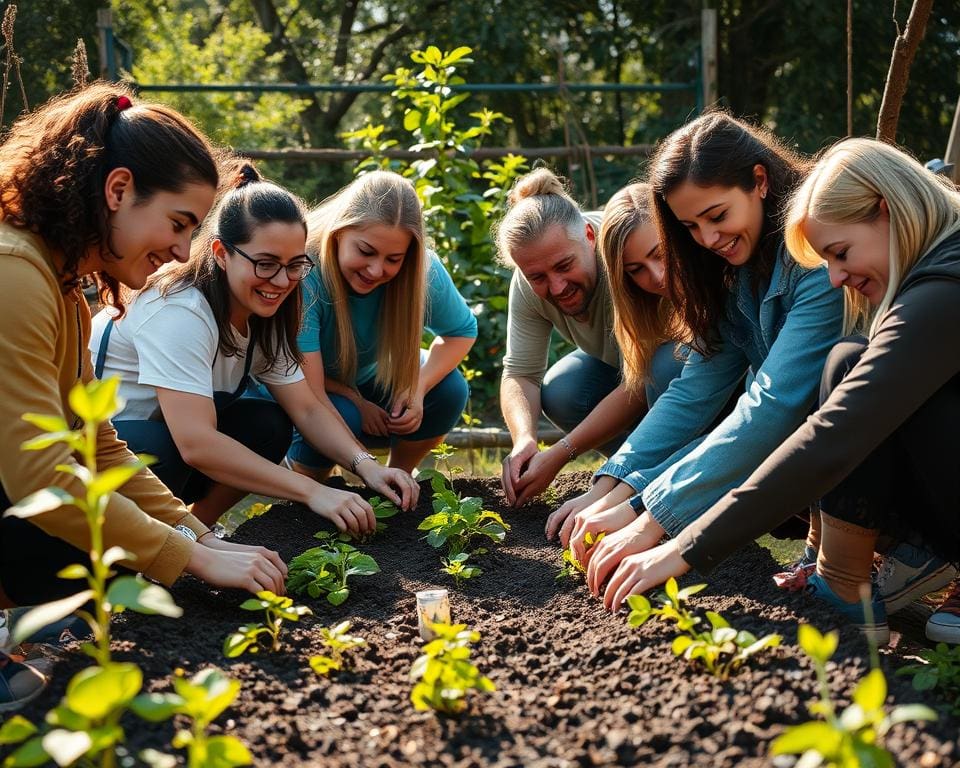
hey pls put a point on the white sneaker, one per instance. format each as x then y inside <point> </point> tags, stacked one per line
<point>907,573</point>
<point>944,625</point>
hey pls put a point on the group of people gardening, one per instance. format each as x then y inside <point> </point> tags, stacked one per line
<point>758,337</point>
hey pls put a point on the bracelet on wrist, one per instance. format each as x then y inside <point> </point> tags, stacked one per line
<point>572,452</point>
<point>360,457</point>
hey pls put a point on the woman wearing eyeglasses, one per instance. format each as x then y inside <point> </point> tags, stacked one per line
<point>189,344</point>
<point>375,292</point>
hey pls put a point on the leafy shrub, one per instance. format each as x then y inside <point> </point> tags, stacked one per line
<point>939,671</point>
<point>324,570</point>
<point>445,672</point>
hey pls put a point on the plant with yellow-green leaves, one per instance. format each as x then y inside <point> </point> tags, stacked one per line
<point>338,642</point>
<point>444,672</point>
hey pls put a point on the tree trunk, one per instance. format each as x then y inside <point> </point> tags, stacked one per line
<point>904,50</point>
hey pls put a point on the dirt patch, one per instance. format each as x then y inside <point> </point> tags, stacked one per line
<point>576,686</point>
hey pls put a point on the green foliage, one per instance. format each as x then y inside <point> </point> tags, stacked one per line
<point>572,567</point>
<point>324,570</point>
<point>456,566</point>
<point>721,649</point>
<point>202,699</point>
<point>338,642</point>
<point>851,738</point>
<point>278,610</point>
<point>445,673</point>
<point>940,671</point>
<point>461,197</point>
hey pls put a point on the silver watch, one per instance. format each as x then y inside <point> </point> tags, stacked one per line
<point>362,456</point>
<point>186,532</point>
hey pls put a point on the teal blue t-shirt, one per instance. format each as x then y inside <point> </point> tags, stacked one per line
<point>447,314</point>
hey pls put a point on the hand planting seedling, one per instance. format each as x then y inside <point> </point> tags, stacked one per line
<point>573,567</point>
<point>940,670</point>
<point>456,566</point>
<point>338,641</point>
<point>721,649</point>
<point>850,738</point>
<point>278,610</point>
<point>324,570</point>
<point>444,671</point>
<point>383,509</point>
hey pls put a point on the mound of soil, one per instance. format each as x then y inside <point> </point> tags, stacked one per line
<point>576,686</point>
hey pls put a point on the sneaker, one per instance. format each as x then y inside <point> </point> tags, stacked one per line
<point>794,578</point>
<point>818,588</point>
<point>944,625</point>
<point>19,683</point>
<point>907,573</point>
<point>69,628</point>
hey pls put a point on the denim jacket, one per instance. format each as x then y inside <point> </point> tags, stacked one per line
<point>781,343</point>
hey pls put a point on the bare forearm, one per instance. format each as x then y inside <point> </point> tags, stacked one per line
<point>445,354</point>
<point>617,413</point>
<point>520,404</point>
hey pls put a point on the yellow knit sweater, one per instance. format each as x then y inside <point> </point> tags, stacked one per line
<point>43,347</point>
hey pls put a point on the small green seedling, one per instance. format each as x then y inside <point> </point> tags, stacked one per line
<point>383,509</point>
<point>202,699</point>
<point>444,671</point>
<point>721,649</point>
<point>940,670</point>
<point>277,609</point>
<point>456,566</point>
<point>456,521</point>
<point>550,496</point>
<point>852,737</point>
<point>339,642</point>
<point>324,570</point>
<point>571,566</point>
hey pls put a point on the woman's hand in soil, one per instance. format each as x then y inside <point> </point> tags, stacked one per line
<point>606,521</point>
<point>406,414</point>
<point>570,508</point>
<point>225,545</point>
<point>614,495</point>
<point>347,511</point>
<point>373,419</point>
<point>642,572</point>
<point>246,568</point>
<point>395,484</point>
<point>603,558</point>
<point>514,465</point>
<point>541,469</point>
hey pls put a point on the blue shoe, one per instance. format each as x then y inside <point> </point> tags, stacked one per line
<point>944,625</point>
<point>69,628</point>
<point>19,683</point>
<point>907,573</point>
<point>818,588</point>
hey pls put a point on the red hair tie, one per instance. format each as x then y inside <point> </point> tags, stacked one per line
<point>123,103</point>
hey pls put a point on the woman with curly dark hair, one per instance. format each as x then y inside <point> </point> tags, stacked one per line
<point>94,185</point>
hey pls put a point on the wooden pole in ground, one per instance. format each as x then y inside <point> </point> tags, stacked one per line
<point>904,49</point>
<point>952,154</point>
<point>708,48</point>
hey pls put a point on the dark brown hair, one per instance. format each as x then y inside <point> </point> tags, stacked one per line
<point>55,161</point>
<point>717,149</point>
<point>246,202</point>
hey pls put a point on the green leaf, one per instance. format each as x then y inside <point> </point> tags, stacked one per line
<point>680,644</point>
<point>716,620</point>
<point>44,615</point>
<point>66,747</point>
<point>28,755</point>
<point>226,752</point>
<point>338,596</point>
<point>114,478</point>
<point>45,441</point>
<point>797,739</point>
<point>156,707</point>
<point>116,554</point>
<point>96,691</point>
<point>47,423</point>
<point>235,644</point>
<point>909,712</point>
<point>362,565</point>
<point>871,691</point>
<point>96,401</point>
<point>142,596</point>
<point>16,729</point>
<point>817,646</point>
<point>156,759</point>
<point>324,665</point>
<point>44,500</point>
<point>411,120</point>
<point>75,571</point>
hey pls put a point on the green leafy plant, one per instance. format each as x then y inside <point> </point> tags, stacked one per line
<point>324,570</point>
<point>278,610</point>
<point>86,723</point>
<point>572,567</point>
<point>721,649</point>
<point>851,738</point>
<point>456,566</point>
<point>940,670</point>
<point>202,699</point>
<point>444,671</point>
<point>338,642</point>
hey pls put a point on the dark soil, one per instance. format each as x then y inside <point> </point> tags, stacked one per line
<point>576,686</point>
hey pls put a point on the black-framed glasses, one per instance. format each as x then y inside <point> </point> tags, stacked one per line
<point>267,269</point>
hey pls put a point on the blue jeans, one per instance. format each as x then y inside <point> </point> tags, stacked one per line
<point>576,384</point>
<point>442,409</point>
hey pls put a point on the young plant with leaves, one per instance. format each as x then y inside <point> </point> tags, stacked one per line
<point>444,671</point>
<point>324,570</point>
<point>278,610</point>
<point>721,649</point>
<point>338,643</point>
<point>940,670</point>
<point>201,699</point>
<point>456,566</point>
<point>572,567</point>
<point>852,737</point>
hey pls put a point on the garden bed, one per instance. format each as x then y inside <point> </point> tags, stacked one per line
<point>575,685</point>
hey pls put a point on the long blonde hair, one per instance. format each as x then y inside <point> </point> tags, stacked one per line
<point>538,201</point>
<point>380,197</point>
<point>846,187</point>
<point>641,320</point>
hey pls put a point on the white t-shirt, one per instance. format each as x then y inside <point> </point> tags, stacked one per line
<point>171,342</point>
